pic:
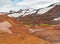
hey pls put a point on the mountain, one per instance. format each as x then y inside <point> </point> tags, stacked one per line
<point>28,11</point>
<point>46,18</point>
<point>37,16</point>
<point>53,13</point>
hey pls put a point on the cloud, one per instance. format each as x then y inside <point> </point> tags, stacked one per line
<point>27,2</point>
<point>36,3</point>
<point>33,2</point>
<point>7,8</point>
<point>4,2</point>
<point>6,5</point>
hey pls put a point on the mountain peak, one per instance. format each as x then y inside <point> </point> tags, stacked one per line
<point>30,11</point>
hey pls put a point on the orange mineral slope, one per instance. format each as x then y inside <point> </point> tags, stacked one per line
<point>12,32</point>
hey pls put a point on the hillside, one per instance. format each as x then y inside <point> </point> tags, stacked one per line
<point>42,18</point>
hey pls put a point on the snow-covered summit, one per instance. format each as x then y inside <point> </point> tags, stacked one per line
<point>29,11</point>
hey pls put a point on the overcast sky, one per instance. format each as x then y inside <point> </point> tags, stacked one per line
<point>6,5</point>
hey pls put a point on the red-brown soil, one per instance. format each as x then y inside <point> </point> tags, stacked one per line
<point>19,33</point>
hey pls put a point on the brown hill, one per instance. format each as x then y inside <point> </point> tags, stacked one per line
<point>20,33</point>
<point>44,18</point>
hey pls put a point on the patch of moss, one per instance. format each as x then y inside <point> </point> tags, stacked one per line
<point>29,23</point>
<point>44,25</point>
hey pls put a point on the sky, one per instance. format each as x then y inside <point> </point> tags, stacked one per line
<point>7,5</point>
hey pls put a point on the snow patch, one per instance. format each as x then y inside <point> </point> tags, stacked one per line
<point>44,10</point>
<point>57,19</point>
